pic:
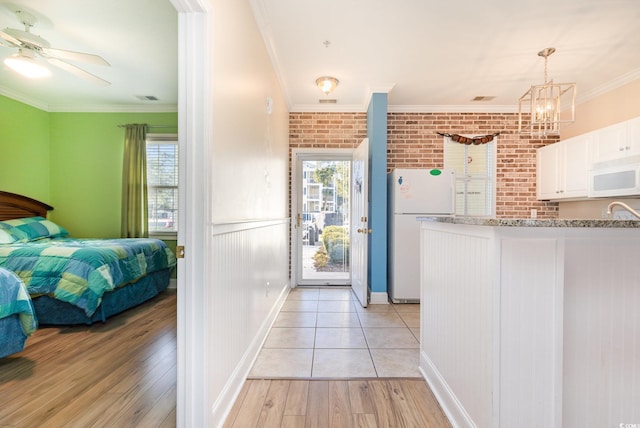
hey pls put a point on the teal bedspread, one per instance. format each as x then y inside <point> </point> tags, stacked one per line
<point>14,299</point>
<point>80,271</point>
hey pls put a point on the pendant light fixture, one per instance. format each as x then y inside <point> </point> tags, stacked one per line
<point>546,106</point>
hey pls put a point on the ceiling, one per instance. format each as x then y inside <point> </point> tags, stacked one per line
<point>139,38</point>
<point>429,55</point>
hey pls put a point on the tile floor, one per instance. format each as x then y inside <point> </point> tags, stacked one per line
<point>325,333</point>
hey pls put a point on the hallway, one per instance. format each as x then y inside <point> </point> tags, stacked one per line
<point>324,333</point>
<point>328,362</point>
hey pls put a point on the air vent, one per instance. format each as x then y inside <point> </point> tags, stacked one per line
<point>146,98</point>
<point>327,101</point>
<point>483,98</point>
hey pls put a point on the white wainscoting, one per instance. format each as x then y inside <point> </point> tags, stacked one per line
<point>457,355</point>
<point>249,271</point>
<point>530,339</point>
<point>602,333</point>
<point>532,326</point>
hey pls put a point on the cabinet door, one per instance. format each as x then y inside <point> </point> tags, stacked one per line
<point>547,167</point>
<point>610,142</point>
<point>575,167</point>
<point>633,137</point>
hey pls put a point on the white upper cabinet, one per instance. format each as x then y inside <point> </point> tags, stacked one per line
<point>563,167</point>
<point>577,162</point>
<point>633,136</point>
<point>617,141</point>
<point>547,172</point>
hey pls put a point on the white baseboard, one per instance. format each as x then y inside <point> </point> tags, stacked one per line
<point>379,298</point>
<point>452,408</point>
<point>227,398</point>
<point>173,283</point>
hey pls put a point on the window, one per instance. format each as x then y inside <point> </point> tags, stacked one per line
<point>475,168</point>
<point>162,183</point>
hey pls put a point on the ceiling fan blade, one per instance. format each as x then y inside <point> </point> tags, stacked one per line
<point>74,56</point>
<point>78,72</point>
<point>10,39</point>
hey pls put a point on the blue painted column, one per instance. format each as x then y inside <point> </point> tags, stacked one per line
<point>377,134</point>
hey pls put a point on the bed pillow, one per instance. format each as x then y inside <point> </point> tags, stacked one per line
<point>34,228</point>
<point>6,237</point>
<point>9,235</point>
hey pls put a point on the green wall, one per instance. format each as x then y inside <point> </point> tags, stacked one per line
<point>86,168</point>
<point>24,150</point>
<point>72,161</point>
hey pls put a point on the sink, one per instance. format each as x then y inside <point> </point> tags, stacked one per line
<point>628,213</point>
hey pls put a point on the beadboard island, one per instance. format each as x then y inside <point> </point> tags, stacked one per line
<point>531,323</point>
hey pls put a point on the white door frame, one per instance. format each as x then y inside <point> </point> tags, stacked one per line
<point>296,268</point>
<point>194,136</point>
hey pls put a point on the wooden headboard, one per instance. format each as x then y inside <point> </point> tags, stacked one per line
<point>18,206</point>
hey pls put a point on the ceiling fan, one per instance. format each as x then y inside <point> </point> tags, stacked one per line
<point>30,46</point>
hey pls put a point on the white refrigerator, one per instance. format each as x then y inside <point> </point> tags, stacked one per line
<point>413,193</point>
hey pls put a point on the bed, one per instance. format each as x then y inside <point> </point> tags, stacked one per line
<point>17,317</point>
<point>77,281</point>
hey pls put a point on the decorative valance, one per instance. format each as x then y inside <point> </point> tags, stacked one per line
<point>482,139</point>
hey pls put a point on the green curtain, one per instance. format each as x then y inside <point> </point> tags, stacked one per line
<point>134,183</point>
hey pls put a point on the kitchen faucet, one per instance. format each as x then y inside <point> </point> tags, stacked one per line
<point>623,205</point>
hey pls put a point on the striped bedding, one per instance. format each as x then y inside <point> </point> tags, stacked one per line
<point>80,271</point>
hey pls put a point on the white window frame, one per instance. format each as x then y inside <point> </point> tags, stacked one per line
<point>153,138</point>
<point>489,177</point>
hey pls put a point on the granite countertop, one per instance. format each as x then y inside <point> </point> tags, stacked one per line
<point>532,222</point>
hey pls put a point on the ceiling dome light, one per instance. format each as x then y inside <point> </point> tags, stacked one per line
<point>24,64</point>
<point>327,84</point>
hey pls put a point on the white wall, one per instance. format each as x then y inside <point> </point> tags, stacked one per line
<point>247,231</point>
<point>614,106</point>
<point>250,150</point>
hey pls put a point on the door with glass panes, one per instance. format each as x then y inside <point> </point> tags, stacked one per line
<point>321,223</point>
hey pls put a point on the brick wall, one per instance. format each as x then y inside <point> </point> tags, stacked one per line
<point>412,142</point>
<point>325,131</point>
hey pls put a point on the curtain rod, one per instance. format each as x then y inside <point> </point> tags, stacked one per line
<point>153,126</point>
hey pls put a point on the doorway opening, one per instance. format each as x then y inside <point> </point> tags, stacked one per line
<point>321,202</point>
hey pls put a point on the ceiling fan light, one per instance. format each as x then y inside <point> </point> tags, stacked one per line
<point>26,66</point>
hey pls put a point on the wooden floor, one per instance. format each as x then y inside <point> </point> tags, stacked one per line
<point>381,403</point>
<point>123,374</point>
<point>118,374</point>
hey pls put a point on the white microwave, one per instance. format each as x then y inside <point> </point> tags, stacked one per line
<point>618,177</point>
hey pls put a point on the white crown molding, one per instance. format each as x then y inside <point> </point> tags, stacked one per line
<point>24,99</point>
<point>356,108</point>
<point>114,108</point>
<point>626,78</point>
<point>262,20</point>
<point>88,108</point>
<point>321,108</point>
<point>453,109</point>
